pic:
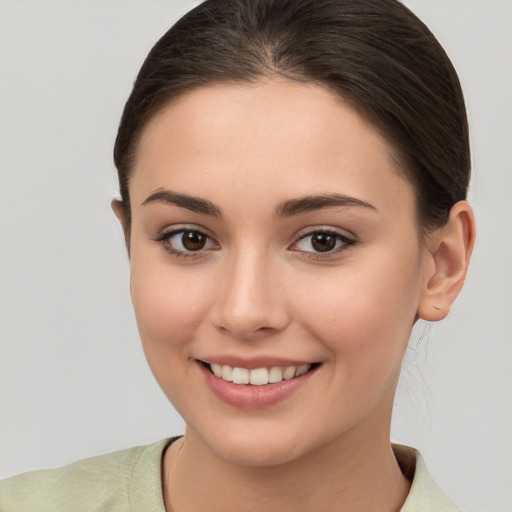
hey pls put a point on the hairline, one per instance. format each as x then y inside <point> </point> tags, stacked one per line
<point>397,159</point>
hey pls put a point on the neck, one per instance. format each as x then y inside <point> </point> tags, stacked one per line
<point>356,473</point>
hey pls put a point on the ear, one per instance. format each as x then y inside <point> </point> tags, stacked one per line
<point>448,252</point>
<point>119,211</point>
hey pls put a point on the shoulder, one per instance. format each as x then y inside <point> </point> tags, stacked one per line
<point>106,482</point>
<point>425,495</point>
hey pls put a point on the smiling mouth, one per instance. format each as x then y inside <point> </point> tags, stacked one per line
<point>258,376</point>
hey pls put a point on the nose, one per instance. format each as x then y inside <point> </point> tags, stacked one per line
<point>251,300</point>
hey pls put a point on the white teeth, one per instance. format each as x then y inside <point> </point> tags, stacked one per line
<point>275,375</point>
<point>227,373</point>
<point>289,373</point>
<point>258,376</point>
<point>240,376</point>
<point>216,369</point>
<point>301,370</point>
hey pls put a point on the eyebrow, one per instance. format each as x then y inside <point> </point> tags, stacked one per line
<point>311,203</point>
<point>286,209</point>
<point>195,204</point>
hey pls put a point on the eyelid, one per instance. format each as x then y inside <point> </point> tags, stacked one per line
<point>168,232</point>
<point>325,228</point>
<point>171,229</point>
<point>347,240</point>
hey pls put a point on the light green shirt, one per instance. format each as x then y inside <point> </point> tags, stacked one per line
<point>130,481</point>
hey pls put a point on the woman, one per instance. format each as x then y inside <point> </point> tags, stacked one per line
<point>293,178</point>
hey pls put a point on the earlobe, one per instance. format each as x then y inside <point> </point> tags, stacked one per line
<point>449,251</point>
<point>117,206</point>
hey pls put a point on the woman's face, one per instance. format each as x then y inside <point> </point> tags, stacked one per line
<point>272,234</point>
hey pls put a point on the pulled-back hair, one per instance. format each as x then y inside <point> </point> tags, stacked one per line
<point>374,54</point>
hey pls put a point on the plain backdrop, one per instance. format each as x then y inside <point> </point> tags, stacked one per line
<point>73,379</point>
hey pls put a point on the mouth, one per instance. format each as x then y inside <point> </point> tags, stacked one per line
<point>258,376</point>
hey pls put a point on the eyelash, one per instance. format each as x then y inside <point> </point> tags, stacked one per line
<point>164,240</point>
<point>342,242</point>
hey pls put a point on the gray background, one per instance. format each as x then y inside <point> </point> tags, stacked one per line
<point>73,379</point>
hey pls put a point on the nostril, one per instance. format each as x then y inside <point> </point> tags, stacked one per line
<point>249,304</point>
<point>247,329</point>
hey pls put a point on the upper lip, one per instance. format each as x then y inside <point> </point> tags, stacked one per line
<point>253,362</point>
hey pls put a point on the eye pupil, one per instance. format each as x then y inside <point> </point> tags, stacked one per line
<point>193,240</point>
<point>323,242</point>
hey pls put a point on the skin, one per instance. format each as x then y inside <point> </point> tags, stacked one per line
<point>259,288</point>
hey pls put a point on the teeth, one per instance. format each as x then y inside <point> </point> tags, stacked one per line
<point>258,376</point>
<point>240,376</point>
<point>275,375</point>
<point>289,373</point>
<point>216,369</point>
<point>227,373</point>
<point>301,370</point>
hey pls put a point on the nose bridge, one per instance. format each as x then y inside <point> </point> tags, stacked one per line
<point>250,302</point>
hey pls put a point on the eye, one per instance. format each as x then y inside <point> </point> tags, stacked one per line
<point>322,242</point>
<point>186,242</point>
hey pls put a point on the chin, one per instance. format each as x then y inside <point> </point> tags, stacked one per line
<point>256,454</point>
<point>255,447</point>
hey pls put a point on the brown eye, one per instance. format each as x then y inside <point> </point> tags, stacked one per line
<point>323,242</point>
<point>193,240</point>
<point>319,242</point>
<point>185,242</point>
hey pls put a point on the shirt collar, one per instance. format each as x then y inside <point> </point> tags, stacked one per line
<point>424,495</point>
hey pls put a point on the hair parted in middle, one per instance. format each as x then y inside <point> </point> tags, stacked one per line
<point>375,55</point>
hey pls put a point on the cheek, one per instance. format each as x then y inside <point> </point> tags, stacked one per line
<point>167,305</point>
<point>366,309</point>
<point>169,311</point>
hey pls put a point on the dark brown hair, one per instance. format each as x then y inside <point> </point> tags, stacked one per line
<point>375,54</point>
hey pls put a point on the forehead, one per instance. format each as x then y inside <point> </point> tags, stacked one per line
<point>283,137</point>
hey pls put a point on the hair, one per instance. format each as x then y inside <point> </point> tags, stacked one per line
<point>376,55</point>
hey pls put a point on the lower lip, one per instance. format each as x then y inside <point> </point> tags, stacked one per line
<point>247,396</point>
